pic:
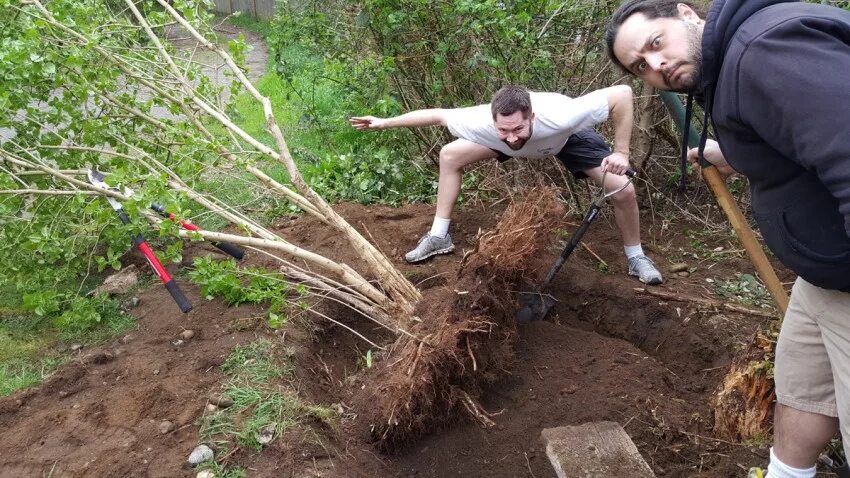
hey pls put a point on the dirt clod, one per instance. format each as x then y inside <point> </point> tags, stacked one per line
<point>98,358</point>
<point>165,426</point>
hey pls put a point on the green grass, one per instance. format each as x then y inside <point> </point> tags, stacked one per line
<point>30,346</point>
<point>16,375</point>
<point>259,383</point>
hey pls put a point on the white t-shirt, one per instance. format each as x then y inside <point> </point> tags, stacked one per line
<point>556,118</point>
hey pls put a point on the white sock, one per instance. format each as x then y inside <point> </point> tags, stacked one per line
<point>440,227</point>
<point>633,251</point>
<point>777,469</point>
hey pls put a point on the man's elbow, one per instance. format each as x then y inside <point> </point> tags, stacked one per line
<point>619,96</point>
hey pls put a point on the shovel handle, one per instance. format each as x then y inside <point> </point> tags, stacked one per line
<point>746,236</point>
<point>571,245</point>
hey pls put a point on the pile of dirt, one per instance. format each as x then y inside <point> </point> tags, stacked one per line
<point>464,333</point>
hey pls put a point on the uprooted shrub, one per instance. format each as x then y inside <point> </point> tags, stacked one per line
<point>465,333</point>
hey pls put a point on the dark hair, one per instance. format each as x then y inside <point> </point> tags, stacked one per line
<point>651,9</point>
<point>510,99</point>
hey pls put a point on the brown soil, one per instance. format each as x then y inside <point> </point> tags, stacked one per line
<point>604,353</point>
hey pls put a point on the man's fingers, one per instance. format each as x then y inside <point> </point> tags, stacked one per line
<point>360,123</point>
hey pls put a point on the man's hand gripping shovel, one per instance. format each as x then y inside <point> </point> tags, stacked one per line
<point>96,178</point>
<point>534,305</point>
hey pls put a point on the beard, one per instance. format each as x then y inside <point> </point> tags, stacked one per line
<point>521,142</point>
<point>690,81</point>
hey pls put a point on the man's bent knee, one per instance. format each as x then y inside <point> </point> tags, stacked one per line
<point>626,196</point>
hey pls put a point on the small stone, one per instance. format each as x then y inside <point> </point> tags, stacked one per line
<point>134,302</point>
<point>177,343</point>
<point>126,339</point>
<point>200,454</point>
<point>76,347</point>
<point>19,402</point>
<point>683,274</point>
<point>266,435</point>
<point>205,474</point>
<point>165,427</point>
<point>156,372</point>
<point>569,390</point>
<point>75,406</point>
<point>211,408</point>
<point>222,401</point>
<point>187,334</point>
<point>679,267</point>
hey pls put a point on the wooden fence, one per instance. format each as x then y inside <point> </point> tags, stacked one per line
<point>263,9</point>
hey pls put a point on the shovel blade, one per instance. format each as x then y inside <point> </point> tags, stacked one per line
<point>534,305</point>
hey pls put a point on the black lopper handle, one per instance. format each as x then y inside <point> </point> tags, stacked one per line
<point>178,296</point>
<point>235,251</point>
<point>631,173</point>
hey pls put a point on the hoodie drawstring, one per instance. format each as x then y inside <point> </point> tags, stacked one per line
<point>683,161</point>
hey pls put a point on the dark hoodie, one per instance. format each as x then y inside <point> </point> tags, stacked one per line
<point>776,80</point>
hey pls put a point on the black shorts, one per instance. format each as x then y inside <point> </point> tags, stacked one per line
<point>584,150</point>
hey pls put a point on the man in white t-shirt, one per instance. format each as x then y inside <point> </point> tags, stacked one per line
<point>519,123</point>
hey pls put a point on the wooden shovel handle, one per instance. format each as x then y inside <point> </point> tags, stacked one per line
<point>746,236</point>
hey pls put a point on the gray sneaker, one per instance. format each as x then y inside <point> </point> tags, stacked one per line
<point>644,269</point>
<point>430,246</point>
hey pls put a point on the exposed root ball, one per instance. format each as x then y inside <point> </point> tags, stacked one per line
<point>465,336</point>
<point>524,233</point>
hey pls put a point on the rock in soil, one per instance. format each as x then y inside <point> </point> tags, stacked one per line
<point>76,347</point>
<point>119,283</point>
<point>266,435</point>
<point>187,334</point>
<point>134,302</point>
<point>205,474</point>
<point>165,427</point>
<point>681,266</point>
<point>222,401</point>
<point>211,408</point>
<point>200,454</point>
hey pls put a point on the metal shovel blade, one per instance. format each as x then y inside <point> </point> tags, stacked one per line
<point>534,305</point>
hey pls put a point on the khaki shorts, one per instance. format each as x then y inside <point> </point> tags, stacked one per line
<point>813,354</point>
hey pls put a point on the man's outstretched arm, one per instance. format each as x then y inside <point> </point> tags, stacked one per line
<point>413,119</point>
<point>620,111</point>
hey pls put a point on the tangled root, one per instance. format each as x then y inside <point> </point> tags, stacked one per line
<point>466,333</point>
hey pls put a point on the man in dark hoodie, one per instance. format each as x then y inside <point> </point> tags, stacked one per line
<point>774,78</point>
